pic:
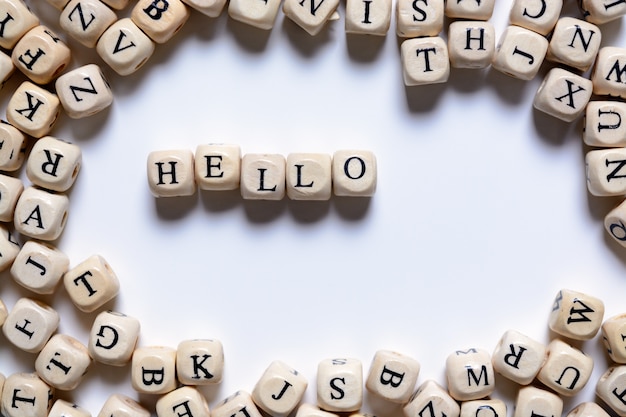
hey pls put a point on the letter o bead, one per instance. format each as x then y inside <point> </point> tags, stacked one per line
<point>153,370</point>
<point>576,315</point>
<point>483,408</point>
<point>91,284</point>
<point>119,405</point>
<point>392,376</point>
<point>171,173</point>
<point>354,173</point>
<point>62,362</point>
<point>279,390</point>
<point>30,324</point>
<point>611,388</point>
<point>113,338</point>
<point>340,385</point>
<point>183,401</point>
<point>25,394</point>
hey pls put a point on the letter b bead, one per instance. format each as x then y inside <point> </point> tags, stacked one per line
<point>153,370</point>
<point>340,385</point>
<point>392,376</point>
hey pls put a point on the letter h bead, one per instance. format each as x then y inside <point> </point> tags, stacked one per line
<point>171,173</point>
<point>392,376</point>
<point>279,390</point>
<point>113,338</point>
<point>340,385</point>
<point>470,374</point>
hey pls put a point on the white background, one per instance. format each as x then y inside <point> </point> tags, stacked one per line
<point>480,217</point>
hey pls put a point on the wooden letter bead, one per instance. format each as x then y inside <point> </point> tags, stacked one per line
<point>41,214</point>
<point>53,164</point>
<point>518,357</point>
<point>171,173</point>
<point>368,17</point>
<point>124,47</point>
<point>62,408</point>
<point>576,315</point>
<point>309,14</point>
<point>470,374</point>
<point>24,395</point>
<point>611,388</point>
<point>470,9</point>
<point>118,405</point>
<point>160,19</point>
<point>258,13</point>
<point>425,61</point>
<point>116,4</point>
<point>419,18</point>
<point>537,15</point>
<point>84,91</point>
<point>483,408</point>
<point>354,173</point>
<point>279,390</point>
<point>39,267</point>
<point>30,324</point>
<point>309,410</point>
<point>239,404</point>
<point>532,401</point>
<point>113,338</point>
<point>12,153</point>
<point>183,401</point>
<point>62,362</point>
<point>605,124</point>
<point>520,52</point>
<point>604,172</point>
<point>609,72</point>
<point>588,409</point>
<point>263,176</point>
<point>471,44</point>
<point>200,362</point>
<point>211,8</point>
<point>91,284</point>
<point>9,248</point>
<point>6,68</point>
<point>153,370</point>
<point>574,42</point>
<point>435,399</point>
<point>41,55</point>
<point>33,110</point>
<point>309,176</point>
<point>10,190</point>
<point>566,369</point>
<point>600,12</point>
<point>15,20</point>
<point>4,312</point>
<point>393,376</point>
<point>86,20</point>
<point>563,95</point>
<point>218,166</point>
<point>612,330</point>
<point>340,385</point>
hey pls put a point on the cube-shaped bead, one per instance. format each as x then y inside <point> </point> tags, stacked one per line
<point>41,55</point>
<point>611,388</point>
<point>563,95</point>
<point>124,47</point>
<point>520,52</point>
<point>605,124</point>
<point>609,73</point>
<point>33,110</point>
<point>217,166</point>
<point>91,284</point>
<point>566,369</point>
<point>63,362</point>
<point>239,404</point>
<point>153,370</point>
<point>576,315</point>
<point>84,91</point>
<point>340,384</point>
<point>432,398</point>
<point>574,42</point>
<point>425,61</point>
<point>160,19</point>
<point>355,173</point>
<point>263,176</point>
<point>86,20</point>
<point>9,248</point>
<point>532,401</point>
<point>258,13</point>
<point>13,149</point>
<point>200,362</point>
<point>25,394</point>
<point>4,312</point>
<point>470,374</point>
<point>368,17</point>
<point>518,357</point>
<point>279,390</point>
<point>10,190</point>
<point>30,324</point>
<point>116,4</point>
<point>211,8</point>
<point>118,405</point>
<point>53,164</point>
<point>537,15</point>
<point>588,409</point>
<point>614,331</point>
<point>62,408</point>
<point>183,401</point>
<point>39,267</point>
<point>310,410</point>
<point>470,9</point>
<point>471,44</point>
<point>483,408</point>
<point>7,68</point>
<point>171,173</point>
<point>309,176</point>
<point>419,18</point>
<point>310,15</point>
<point>605,171</point>
<point>15,20</point>
<point>600,12</point>
<point>113,338</point>
<point>392,376</point>
<point>41,214</point>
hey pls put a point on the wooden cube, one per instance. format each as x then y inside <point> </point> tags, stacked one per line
<point>15,20</point>
<point>612,330</point>
<point>309,176</point>
<point>532,401</point>
<point>576,315</point>
<point>200,362</point>
<point>484,408</point>
<point>63,362</point>
<point>84,91</point>
<point>86,20</point>
<point>9,248</point>
<point>10,190</point>
<point>470,374</point>
<point>425,61</point>
<point>471,44</point>
<point>310,410</point>
<point>609,72</point>
<point>434,398</point>
<point>13,149</point>
<point>25,394</point>
<point>239,404</point>
<point>118,405</point>
<point>171,173</point>
<point>419,18</point>
<point>340,384</point>
<point>4,312</point>
<point>258,13</point>
<point>519,53</point>
<point>354,173</point>
<point>218,166</point>
<point>91,284</point>
<point>603,124</point>
<point>53,164</point>
<point>279,390</point>
<point>600,12</point>
<point>33,110</point>
<point>263,176</point>
<point>40,214</point>
<point>537,15</point>
<point>392,376</point>
<point>160,19</point>
<point>588,409</point>
<point>153,370</point>
<point>611,388</point>
<point>39,267</point>
<point>368,17</point>
<point>6,68</point>
<point>211,8</point>
<point>309,14</point>
<point>124,47</point>
<point>518,357</point>
<point>41,55</point>
<point>563,95</point>
<point>605,171</point>
<point>470,9</point>
<point>574,42</point>
<point>113,338</point>
<point>183,401</point>
<point>566,370</point>
<point>62,408</point>
<point>30,324</point>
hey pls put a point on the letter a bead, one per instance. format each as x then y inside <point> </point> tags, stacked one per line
<point>83,91</point>
<point>566,369</point>
<point>62,362</point>
<point>576,315</point>
<point>611,388</point>
<point>392,376</point>
<point>183,401</point>
<point>113,338</point>
<point>470,374</point>
<point>53,164</point>
<point>91,284</point>
<point>25,394</point>
<point>340,385</point>
<point>434,398</point>
<point>425,61</point>
<point>153,370</point>
<point>171,173</point>
<point>518,357</point>
<point>30,324</point>
<point>119,405</point>
<point>200,362</point>
<point>239,404</point>
<point>279,390</point>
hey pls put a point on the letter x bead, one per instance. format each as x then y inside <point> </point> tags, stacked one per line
<point>604,11</point>
<point>435,399</point>
<point>200,362</point>
<point>340,385</point>
<point>263,176</point>
<point>41,214</point>
<point>153,370</point>
<point>537,15</point>
<point>239,404</point>
<point>310,15</point>
<point>160,19</point>
<point>612,330</point>
<point>258,13</point>
<point>119,405</point>
<point>10,190</point>
<point>25,394</point>
<point>211,8</point>
<point>532,401</point>
<point>183,401</point>
<point>520,52</point>
<point>84,91</point>
<point>566,369</point>
<point>417,19</point>
<point>483,408</point>
<point>392,376</point>
<point>41,55</point>
<point>368,17</point>
<point>13,151</point>
<point>53,164</point>
<point>30,324</point>
<point>425,61</point>
<point>171,173</point>
<point>62,408</point>
<point>33,110</point>
<point>39,267</point>
<point>470,374</point>
<point>563,94</point>
<point>609,73</point>
<point>91,284</point>
<point>576,315</point>
<point>218,166</point>
<point>574,42</point>
<point>86,20</point>
<point>518,357</point>
<point>15,20</point>
<point>605,124</point>
<point>355,173</point>
<point>309,176</point>
<point>606,172</point>
<point>611,388</point>
<point>124,47</point>
<point>113,338</point>
<point>63,362</point>
<point>9,248</point>
<point>279,390</point>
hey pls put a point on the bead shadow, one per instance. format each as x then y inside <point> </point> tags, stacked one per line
<point>352,208</point>
<point>508,88</point>
<point>219,201</point>
<point>305,44</point>
<point>364,48</point>
<point>174,208</point>
<point>550,129</point>
<point>467,80</point>
<point>261,211</point>
<point>424,98</point>
<point>252,39</point>
<point>308,211</point>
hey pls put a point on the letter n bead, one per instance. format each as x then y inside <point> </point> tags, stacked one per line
<point>340,385</point>
<point>86,20</point>
<point>611,388</point>
<point>171,173</point>
<point>309,14</point>
<point>279,390</point>
<point>53,164</point>
<point>113,338</point>
<point>160,19</point>
<point>470,374</point>
<point>84,91</point>
<point>355,173</point>
<point>392,376</point>
<point>309,176</point>
<point>33,110</point>
<point>39,267</point>
<point>532,402</point>
<point>563,95</point>
<point>606,171</point>
<point>614,337</point>
<point>183,401</point>
<point>62,362</point>
<point>566,369</point>
<point>425,61</point>
<point>30,324</point>
<point>200,362</point>
<point>91,284</point>
<point>153,370</point>
<point>25,394</point>
<point>119,405</point>
<point>434,398</point>
<point>576,315</point>
<point>574,42</point>
<point>124,47</point>
<point>239,404</point>
<point>518,357</point>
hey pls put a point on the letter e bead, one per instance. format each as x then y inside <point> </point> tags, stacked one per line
<point>611,388</point>
<point>279,390</point>
<point>171,173</point>
<point>183,401</point>
<point>53,164</point>
<point>200,362</point>
<point>392,376</point>
<point>218,166</point>
<point>25,394</point>
<point>576,315</point>
<point>354,173</point>
<point>340,385</point>
<point>153,370</point>
<point>91,284</point>
<point>470,374</point>
<point>113,338</point>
